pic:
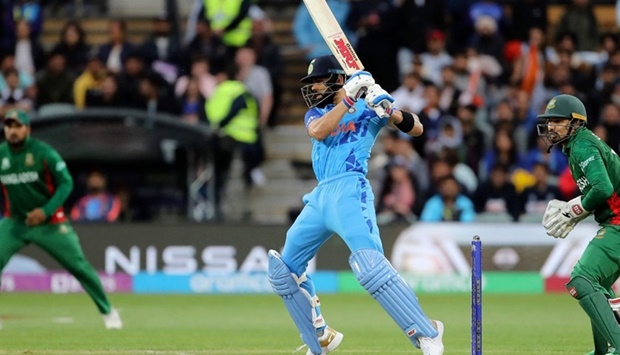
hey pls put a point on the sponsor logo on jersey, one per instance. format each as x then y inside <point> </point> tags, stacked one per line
<point>585,163</point>
<point>20,178</point>
<point>63,229</point>
<point>582,182</point>
<point>6,164</point>
<point>344,128</point>
<point>29,159</point>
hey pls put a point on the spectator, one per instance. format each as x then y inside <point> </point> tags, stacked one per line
<point>487,39</point>
<point>464,174</point>
<point>449,205</point>
<point>376,23</point>
<point>162,45</point>
<point>528,14</point>
<point>26,79</point>
<point>199,71</point>
<point>97,205</point>
<point>404,149</point>
<point>268,55</point>
<point>17,10</point>
<point>399,194</point>
<point>529,69</point>
<point>233,113</point>
<point>29,54</point>
<point>555,161</point>
<point>502,151</point>
<point>430,117</point>
<point>417,18</point>
<point>449,93</point>
<point>129,79</point>
<point>497,196</point>
<point>610,119</point>
<point>473,145</point>
<point>409,95</point>
<point>72,44</point>
<point>534,199</point>
<point>309,38</point>
<point>257,80</point>
<point>205,44</point>
<point>579,19</point>
<point>435,57</point>
<point>55,83</point>
<point>155,98</point>
<point>13,97</point>
<point>229,21</point>
<point>192,104</point>
<point>109,96</point>
<point>115,52</point>
<point>90,79</point>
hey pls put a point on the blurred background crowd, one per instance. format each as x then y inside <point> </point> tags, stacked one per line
<point>476,72</point>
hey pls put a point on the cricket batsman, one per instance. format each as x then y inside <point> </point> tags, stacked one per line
<point>343,128</point>
<point>36,182</point>
<point>596,170</point>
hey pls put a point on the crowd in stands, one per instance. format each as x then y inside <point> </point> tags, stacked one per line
<point>477,73</point>
<point>228,41</point>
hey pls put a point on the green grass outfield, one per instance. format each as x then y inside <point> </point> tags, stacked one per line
<point>258,324</point>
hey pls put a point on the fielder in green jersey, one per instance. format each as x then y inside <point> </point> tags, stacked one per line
<point>36,182</point>
<point>596,170</point>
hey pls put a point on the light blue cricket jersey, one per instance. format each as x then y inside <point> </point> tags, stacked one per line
<point>347,148</point>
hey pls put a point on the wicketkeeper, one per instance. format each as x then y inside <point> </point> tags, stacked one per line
<point>36,182</point>
<point>596,169</point>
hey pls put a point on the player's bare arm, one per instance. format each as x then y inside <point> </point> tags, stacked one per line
<point>322,127</point>
<point>398,117</point>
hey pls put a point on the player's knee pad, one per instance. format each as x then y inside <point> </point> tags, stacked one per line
<point>375,273</point>
<point>579,287</point>
<point>300,305</point>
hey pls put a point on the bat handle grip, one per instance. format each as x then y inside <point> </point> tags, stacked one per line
<point>359,94</point>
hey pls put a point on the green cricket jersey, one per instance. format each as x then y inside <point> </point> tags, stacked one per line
<point>34,176</point>
<point>596,170</point>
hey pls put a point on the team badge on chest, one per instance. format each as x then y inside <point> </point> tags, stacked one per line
<point>29,160</point>
<point>6,164</point>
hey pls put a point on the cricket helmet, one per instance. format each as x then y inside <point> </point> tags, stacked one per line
<point>323,67</point>
<point>566,107</point>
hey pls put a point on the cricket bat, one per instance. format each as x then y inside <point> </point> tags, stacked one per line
<point>333,35</point>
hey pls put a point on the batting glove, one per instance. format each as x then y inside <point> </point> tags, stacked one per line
<point>356,86</point>
<point>379,101</point>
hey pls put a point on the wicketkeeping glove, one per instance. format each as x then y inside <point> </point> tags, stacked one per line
<point>558,225</point>
<point>379,101</point>
<point>356,86</point>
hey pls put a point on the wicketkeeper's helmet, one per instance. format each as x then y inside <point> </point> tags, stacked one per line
<point>565,107</point>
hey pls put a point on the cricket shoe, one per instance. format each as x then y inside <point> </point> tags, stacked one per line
<point>330,340</point>
<point>113,320</point>
<point>433,346</point>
